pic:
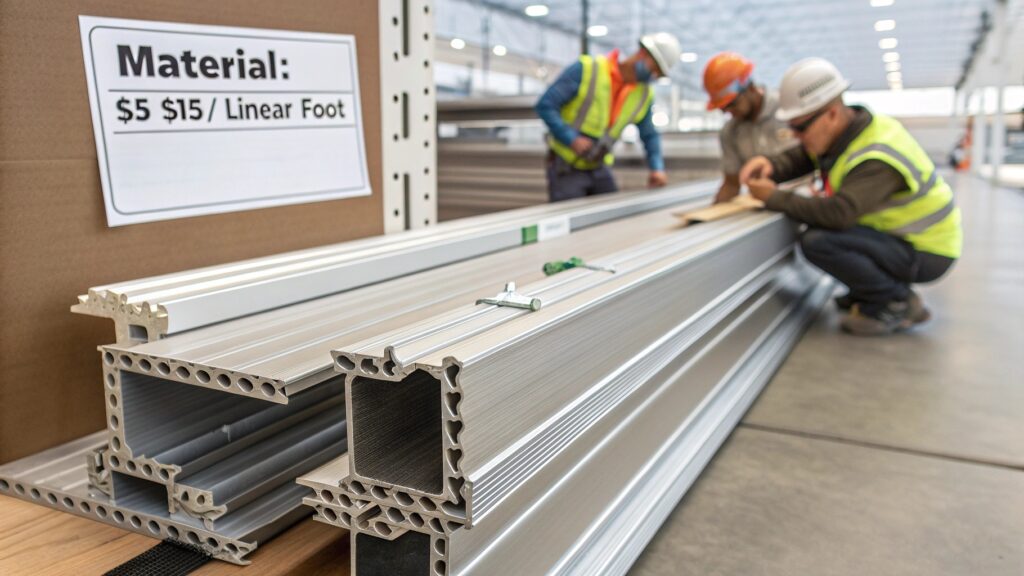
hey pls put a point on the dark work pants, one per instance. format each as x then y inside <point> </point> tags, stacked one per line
<point>878,268</point>
<point>566,182</point>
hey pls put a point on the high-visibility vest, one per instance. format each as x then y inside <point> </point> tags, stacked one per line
<point>925,214</point>
<point>590,111</point>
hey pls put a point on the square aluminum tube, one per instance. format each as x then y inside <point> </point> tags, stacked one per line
<point>595,511</point>
<point>59,479</point>
<point>150,308</point>
<point>274,355</point>
<point>464,408</point>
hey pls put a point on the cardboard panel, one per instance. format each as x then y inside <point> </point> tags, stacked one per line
<point>54,242</point>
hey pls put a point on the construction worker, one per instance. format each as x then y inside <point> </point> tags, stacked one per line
<point>752,129</point>
<point>887,219</point>
<point>590,104</point>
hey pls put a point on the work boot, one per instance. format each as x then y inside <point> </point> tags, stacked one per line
<point>917,312</point>
<point>893,317</point>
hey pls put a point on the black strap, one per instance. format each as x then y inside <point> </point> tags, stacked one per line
<point>167,558</point>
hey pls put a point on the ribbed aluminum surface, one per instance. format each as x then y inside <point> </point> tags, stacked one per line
<point>594,506</point>
<point>509,376</point>
<point>149,308</point>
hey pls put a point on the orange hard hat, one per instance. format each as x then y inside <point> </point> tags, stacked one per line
<point>725,76</point>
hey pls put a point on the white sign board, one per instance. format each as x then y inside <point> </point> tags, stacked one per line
<point>194,120</point>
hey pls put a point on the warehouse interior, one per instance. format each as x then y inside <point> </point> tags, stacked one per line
<point>434,364</point>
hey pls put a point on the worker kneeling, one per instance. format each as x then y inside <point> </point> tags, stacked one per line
<point>885,219</point>
<point>588,107</point>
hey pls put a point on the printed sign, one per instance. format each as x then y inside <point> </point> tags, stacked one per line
<point>193,120</point>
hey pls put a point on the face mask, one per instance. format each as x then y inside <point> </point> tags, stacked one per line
<point>643,73</point>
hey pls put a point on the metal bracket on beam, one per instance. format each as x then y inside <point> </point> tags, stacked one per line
<point>512,299</point>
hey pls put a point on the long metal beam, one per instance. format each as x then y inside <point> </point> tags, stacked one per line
<point>593,512</point>
<point>151,308</point>
<point>463,408</point>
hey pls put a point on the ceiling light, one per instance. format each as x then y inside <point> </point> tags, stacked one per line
<point>536,10</point>
<point>688,57</point>
<point>458,43</point>
<point>894,77</point>
<point>882,3</point>
<point>885,25</point>
<point>891,57</point>
<point>896,86</point>
<point>597,30</point>
<point>892,66</point>
<point>499,50</point>
<point>888,43</point>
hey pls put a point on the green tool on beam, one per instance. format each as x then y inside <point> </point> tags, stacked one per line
<point>556,266</point>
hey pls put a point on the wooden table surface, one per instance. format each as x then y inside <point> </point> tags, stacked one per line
<point>37,540</point>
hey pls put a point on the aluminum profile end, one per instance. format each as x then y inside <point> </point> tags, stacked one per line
<point>414,456</point>
<point>58,479</point>
<point>402,551</point>
<point>133,322</point>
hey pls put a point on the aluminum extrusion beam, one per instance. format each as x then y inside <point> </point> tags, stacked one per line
<point>464,408</point>
<point>273,355</point>
<point>58,478</point>
<point>594,514</point>
<point>150,308</point>
<point>162,431</point>
<point>215,453</point>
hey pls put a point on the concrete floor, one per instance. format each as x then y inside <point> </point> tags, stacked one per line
<point>892,456</point>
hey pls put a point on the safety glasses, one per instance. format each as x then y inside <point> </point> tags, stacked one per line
<point>806,124</point>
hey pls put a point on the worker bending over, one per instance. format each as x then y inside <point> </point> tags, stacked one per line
<point>590,104</point>
<point>886,220</point>
<point>753,128</point>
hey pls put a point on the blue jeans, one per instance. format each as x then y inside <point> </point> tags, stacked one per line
<point>566,182</point>
<point>877,267</point>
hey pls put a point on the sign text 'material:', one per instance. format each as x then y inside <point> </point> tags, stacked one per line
<point>193,119</point>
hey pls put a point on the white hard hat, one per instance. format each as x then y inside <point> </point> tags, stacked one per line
<point>807,86</point>
<point>664,48</point>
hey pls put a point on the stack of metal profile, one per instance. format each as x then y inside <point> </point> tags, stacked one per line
<point>553,428</point>
<point>211,421</point>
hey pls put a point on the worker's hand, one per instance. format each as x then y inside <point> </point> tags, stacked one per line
<point>657,179</point>
<point>756,167</point>
<point>729,189</point>
<point>762,188</point>
<point>725,195</point>
<point>581,145</point>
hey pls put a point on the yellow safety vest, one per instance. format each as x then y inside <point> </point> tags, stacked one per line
<point>925,214</point>
<point>590,111</point>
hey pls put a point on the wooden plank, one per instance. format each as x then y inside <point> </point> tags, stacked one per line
<point>738,205</point>
<point>37,540</point>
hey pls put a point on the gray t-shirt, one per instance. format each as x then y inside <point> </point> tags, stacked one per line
<point>765,136</point>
